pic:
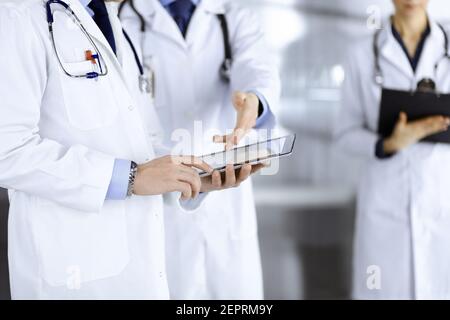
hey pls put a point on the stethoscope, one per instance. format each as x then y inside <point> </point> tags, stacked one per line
<point>226,66</point>
<point>96,57</point>
<point>425,85</point>
<point>225,69</point>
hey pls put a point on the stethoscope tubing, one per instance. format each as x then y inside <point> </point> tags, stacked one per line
<point>379,78</point>
<point>90,75</point>
<point>225,68</point>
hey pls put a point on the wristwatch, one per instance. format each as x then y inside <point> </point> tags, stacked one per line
<point>132,178</point>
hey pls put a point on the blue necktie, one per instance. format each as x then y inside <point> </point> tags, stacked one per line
<point>101,18</point>
<point>182,11</point>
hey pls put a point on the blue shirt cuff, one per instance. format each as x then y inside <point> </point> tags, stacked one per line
<point>267,116</point>
<point>379,151</point>
<point>118,187</point>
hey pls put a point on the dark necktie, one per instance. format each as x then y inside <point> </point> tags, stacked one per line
<point>182,11</point>
<point>101,18</point>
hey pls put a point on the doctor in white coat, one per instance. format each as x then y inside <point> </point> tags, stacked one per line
<point>83,223</point>
<point>212,253</point>
<point>403,215</point>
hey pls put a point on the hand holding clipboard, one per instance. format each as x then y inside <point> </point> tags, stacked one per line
<point>410,117</point>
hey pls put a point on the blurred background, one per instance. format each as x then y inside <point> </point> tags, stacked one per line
<point>306,212</point>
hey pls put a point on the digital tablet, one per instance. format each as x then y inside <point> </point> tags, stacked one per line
<point>256,153</point>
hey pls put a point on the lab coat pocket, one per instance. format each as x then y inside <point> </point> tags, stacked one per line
<point>89,102</point>
<point>76,247</point>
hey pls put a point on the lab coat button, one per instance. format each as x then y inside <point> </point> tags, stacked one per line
<point>131,108</point>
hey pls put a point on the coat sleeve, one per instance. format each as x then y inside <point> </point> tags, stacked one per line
<point>351,132</point>
<point>254,67</point>
<point>72,176</point>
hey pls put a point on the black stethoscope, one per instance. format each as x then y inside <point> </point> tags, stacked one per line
<point>225,68</point>
<point>425,85</point>
<point>96,58</point>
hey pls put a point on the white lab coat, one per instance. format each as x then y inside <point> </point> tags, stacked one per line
<point>212,253</point>
<point>59,138</point>
<point>403,215</point>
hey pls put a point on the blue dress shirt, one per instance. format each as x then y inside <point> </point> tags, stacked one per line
<point>85,4</point>
<point>414,60</point>
<point>167,3</point>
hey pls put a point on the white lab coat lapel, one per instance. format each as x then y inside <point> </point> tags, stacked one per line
<point>197,23</point>
<point>125,62</point>
<point>96,33</point>
<point>120,41</point>
<point>116,62</point>
<point>90,25</point>
<point>392,52</point>
<point>431,52</point>
<point>116,25</point>
<point>160,21</point>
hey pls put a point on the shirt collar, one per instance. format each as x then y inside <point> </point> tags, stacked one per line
<point>166,3</point>
<point>85,4</point>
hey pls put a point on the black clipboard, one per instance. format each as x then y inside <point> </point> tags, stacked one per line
<point>417,105</point>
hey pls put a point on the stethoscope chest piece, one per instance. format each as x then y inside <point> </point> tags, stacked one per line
<point>426,85</point>
<point>146,84</point>
<point>379,80</point>
<point>225,70</point>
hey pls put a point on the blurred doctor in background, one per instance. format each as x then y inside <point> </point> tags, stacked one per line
<point>210,65</point>
<point>403,222</point>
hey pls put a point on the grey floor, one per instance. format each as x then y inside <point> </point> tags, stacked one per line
<point>4,278</point>
<point>306,254</point>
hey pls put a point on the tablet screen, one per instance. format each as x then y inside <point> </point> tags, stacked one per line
<point>253,153</point>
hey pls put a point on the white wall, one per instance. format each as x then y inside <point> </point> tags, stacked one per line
<point>438,8</point>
